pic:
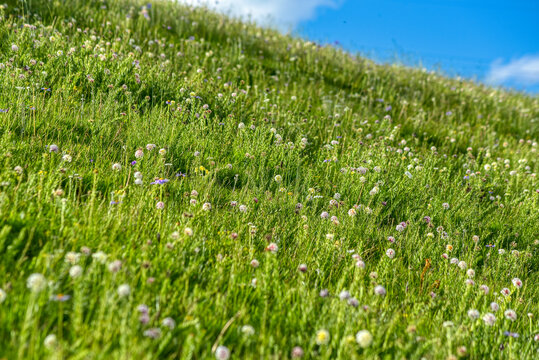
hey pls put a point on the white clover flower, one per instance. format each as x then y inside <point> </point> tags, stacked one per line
<point>3,296</point>
<point>50,342</point>
<point>390,253</point>
<point>473,314</point>
<point>364,338</point>
<point>72,257</point>
<point>222,353</point>
<point>100,257</point>
<point>75,271</point>
<point>517,283</point>
<point>169,323</point>
<point>36,283</point>
<point>510,314</point>
<point>248,330</point>
<point>124,290</point>
<point>489,319</point>
<point>380,290</point>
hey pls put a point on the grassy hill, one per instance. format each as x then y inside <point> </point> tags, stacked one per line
<point>175,184</point>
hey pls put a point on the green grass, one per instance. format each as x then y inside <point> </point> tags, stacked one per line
<point>281,126</point>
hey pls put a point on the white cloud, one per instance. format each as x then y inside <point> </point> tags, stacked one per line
<point>284,14</point>
<point>523,71</point>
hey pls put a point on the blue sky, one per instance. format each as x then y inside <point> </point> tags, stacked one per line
<point>494,41</point>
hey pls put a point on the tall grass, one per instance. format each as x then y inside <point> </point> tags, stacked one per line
<point>186,185</point>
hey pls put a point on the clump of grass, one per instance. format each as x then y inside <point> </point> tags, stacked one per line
<point>178,184</point>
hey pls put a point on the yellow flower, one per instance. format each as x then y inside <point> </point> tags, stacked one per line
<point>322,337</point>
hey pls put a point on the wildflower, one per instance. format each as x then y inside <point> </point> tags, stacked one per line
<point>510,314</point>
<point>374,191</point>
<point>278,178</point>
<point>60,297</point>
<point>255,263</point>
<point>445,206</point>
<point>206,207</point>
<point>116,167</point>
<point>462,265</point>
<point>115,266</point>
<point>243,208</point>
<point>222,353</point>
<point>364,338</point>
<point>53,148</point>
<point>390,253</point>
<point>470,273</point>
<point>505,292</point>
<point>485,289</point>
<point>272,247</point>
<point>324,215</point>
<point>473,314</point>
<point>66,158</point>
<point>517,283</point>
<point>344,295</point>
<point>352,212</point>
<point>248,330</point>
<point>100,256</point>
<point>124,290</point>
<point>322,337</point>
<point>139,154</point>
<point>153,333</point>
<point>391,239</point>
<point>494,306</point>
<point>380,290</point>
<point>36,283</point>
<point>75,271</point>
<point>18,170</point>
<point>297,352</point>
<point>489,319</point>
<point>72,257</point>
<point>150,147</point>
<point>169,323</point>
<point>50,342</point>
<point>302,268</point>
<point>188,231</point>
<point>160,205</point>
<point>162,152</point>
<point>3,296</point>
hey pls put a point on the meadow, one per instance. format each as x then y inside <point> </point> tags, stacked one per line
<point>177,184</point>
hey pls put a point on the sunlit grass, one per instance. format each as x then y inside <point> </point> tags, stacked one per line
<point>177,184</point>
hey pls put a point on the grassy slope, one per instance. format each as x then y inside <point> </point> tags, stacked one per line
<point>286,89</point>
